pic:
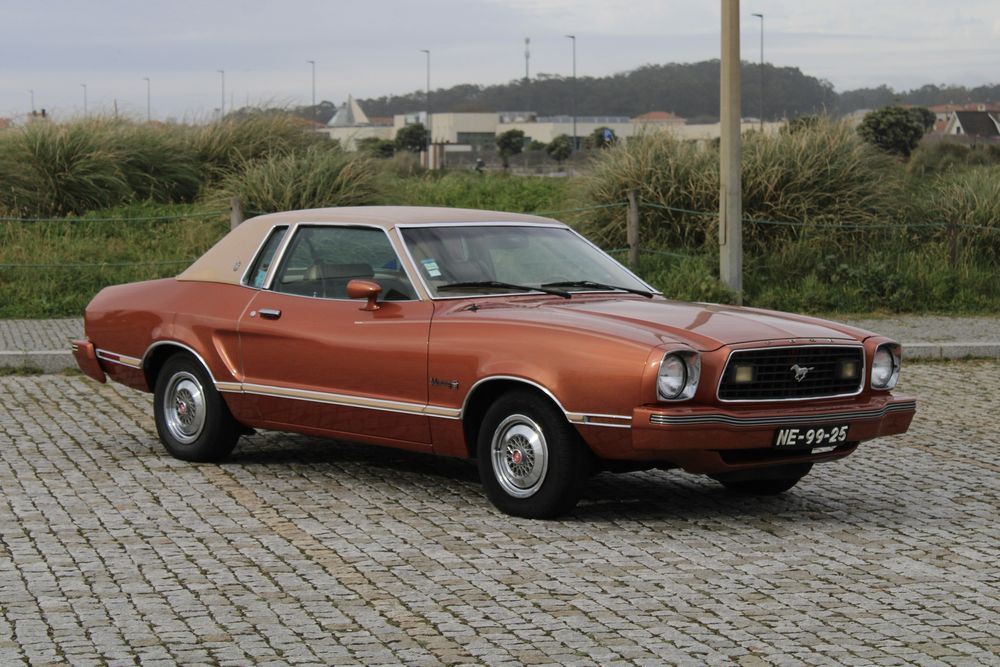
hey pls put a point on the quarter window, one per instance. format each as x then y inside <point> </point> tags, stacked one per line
<point>320,261</point>
<point>257,273</point>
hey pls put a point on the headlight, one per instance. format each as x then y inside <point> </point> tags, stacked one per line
<point>885,366</point>
<point>677,379</point>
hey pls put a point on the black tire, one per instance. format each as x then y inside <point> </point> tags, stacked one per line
<point>192,419</point>
<point>532,463</point>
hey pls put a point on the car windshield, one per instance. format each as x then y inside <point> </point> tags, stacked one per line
<point>460,260</point>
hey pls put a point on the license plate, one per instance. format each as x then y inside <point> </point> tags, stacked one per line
<point>810,436</point>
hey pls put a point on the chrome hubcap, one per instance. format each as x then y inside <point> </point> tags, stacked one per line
<point>520,456</point>
<point>184,407</point>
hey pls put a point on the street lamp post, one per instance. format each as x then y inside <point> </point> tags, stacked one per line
<point>761,17</point>
<point>222,105</point>
<point>430,137</point>
<point>313,63</point>
<point>84,99</point>
<point>149,113</point>
<point>575,142</point>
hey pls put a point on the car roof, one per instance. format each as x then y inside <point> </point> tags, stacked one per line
<point>227,260</point>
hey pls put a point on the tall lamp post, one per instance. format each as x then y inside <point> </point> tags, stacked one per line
<point>222,105</point>
<point>149,113</point>
<point>313,63</point>
<point>430,137</point>
<point>84,99</point>
<point>761,17</point>
<point>575,143</point>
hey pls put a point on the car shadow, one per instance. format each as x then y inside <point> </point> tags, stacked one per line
<point>608,497</point>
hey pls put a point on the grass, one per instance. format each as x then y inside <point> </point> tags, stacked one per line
<point>878,235</point>
<point>54,285</point>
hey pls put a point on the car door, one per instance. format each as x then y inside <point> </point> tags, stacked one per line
<point>318,361</point>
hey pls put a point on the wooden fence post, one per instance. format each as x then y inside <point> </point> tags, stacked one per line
<point>632,229</point>
<point>953,242</point>
<point>235,213</point>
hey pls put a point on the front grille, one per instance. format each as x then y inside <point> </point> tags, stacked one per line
<point>774,370</point>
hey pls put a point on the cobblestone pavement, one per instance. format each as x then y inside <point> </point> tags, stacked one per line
<point>301,551</point>
<point>20,335</point>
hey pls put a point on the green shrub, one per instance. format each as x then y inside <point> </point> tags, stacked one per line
<point>321,176</point>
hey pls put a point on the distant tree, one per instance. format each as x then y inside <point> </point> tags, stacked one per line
<point>412,138</point>
<point>600,137</point>
<point>893,129</point>
<point>535,145</point>
<point>560,148</point>
<point>926,117</point>
<point>380,148</point>
<point>509,143</point>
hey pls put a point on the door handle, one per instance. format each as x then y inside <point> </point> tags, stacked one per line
<point>270,313</point>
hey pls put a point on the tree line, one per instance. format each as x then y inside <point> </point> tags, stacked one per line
<point>690,90</point>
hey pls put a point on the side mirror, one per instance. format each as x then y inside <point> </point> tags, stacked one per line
<point>365,289</point>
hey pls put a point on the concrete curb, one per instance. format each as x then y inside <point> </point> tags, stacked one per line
<point>56,361</point>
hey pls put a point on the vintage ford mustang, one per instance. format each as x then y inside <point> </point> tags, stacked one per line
<point>503,337</point>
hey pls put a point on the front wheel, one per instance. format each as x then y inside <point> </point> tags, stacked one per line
<point>532,463</point>
<point>192,419</point>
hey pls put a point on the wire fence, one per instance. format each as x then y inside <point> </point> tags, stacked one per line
<point>824,224</point>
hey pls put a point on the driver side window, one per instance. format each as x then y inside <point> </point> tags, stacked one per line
<point>321,260</point>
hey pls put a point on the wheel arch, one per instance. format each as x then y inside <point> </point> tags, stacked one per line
<point>157,354</point>
<point>485,392</point>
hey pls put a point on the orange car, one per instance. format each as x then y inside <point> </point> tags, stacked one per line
<point>503,337</point>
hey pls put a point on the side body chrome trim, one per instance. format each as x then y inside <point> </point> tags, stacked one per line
<point>683,420</point>
<point>729,357</point>
<point>586,419</point>
<point>347,400</point>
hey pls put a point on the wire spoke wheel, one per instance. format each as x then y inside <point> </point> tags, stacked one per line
<point>520,456</point>
<point>184,407</point>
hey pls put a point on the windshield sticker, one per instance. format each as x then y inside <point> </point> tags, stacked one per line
<point>431,267</point>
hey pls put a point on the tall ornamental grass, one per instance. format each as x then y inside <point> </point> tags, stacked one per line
<point>819,172</point>
<point>321,176</point>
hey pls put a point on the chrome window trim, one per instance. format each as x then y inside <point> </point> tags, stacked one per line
<point>293,230</point>
<point>245,280</point>
<point>861,383</point>
<point>546,225</point>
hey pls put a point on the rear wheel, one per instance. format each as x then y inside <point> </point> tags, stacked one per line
<point>192,419</point>
<point>532,462</point>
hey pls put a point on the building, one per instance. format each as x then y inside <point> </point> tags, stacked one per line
<point>350,125</point>
<point>974,125</point>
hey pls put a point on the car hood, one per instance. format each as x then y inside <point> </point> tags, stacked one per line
<point>702,326</point>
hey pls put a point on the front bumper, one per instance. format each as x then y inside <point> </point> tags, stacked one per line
<point>711,439</point>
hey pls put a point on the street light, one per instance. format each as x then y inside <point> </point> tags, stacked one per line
<point>313,63</point>
<point>84,99</point>
<point>761,17</point>
<point>222,106</point>
<point>575,143</point>
<point>149,115</point>
<point>430,138</point>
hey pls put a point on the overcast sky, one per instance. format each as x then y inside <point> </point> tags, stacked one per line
<point>372,48</point>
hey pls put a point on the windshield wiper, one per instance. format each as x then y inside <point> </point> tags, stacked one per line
<point>591,283</point>
<point>501,285</point>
